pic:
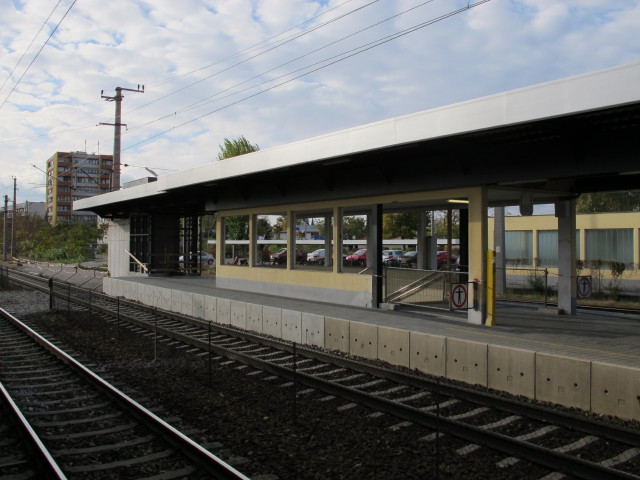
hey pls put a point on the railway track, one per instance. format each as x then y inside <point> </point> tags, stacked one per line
<point>564,443</point>
<point>83,427</point>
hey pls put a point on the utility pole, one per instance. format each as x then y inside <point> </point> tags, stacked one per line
<point>115,184</point>
<point>4,232</point>
<point>13,221</point>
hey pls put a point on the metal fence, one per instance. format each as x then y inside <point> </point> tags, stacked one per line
<point>427,288</point>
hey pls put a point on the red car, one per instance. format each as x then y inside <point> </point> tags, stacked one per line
<point>444,263</point>
<point>359,257</point>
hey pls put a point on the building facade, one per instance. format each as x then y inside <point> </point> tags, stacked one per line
<point>74,176</point>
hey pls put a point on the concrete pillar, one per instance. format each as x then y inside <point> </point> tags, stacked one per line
<point>478,245</point>
<point>567,290</point>
<point>499,246</point>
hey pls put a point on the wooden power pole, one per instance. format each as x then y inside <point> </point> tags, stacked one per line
<point>117,98</point>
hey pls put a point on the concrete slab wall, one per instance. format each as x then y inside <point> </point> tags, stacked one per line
<point>601,388</point>
<point>467,361</point>
<point>238,314</point>
<point>363,340</point>
<point>428,353</point>
<point>272,321</point>
<point>186,304</point>
<point>512,370</point>
<point>336,334</point>
<point>223,311</point>
<point>394,346</point>
<point>313,329</point>
<point>292,326</point>
<point>615,390</point>
<point>563,380</point>
<point>254,317</point>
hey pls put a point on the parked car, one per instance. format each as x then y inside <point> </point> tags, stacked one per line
<point>205,257</point>
<point>444,263</point>
<point>409,259</point>
<point>391,258</point>
<point>280,257</point>
<point>359,257</point>
<point>316,257</point>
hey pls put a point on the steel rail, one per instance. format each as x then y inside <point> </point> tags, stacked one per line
<point>542,456</point>
<point>549,458</point>
<point>48,466</point>
<point>204,459</point>
<point>538,412</point>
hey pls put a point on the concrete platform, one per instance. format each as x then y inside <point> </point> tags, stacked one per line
<point>590,361</point>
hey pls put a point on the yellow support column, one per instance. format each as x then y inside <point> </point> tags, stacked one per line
<point>491,290</point>
<point>478,246</point>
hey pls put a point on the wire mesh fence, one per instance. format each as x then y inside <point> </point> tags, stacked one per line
<point>425,288</point>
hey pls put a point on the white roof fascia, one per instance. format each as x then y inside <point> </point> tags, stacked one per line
<point>581,93</point>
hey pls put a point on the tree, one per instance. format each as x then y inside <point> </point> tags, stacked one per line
<point>440,224</point>
<point>354,227</point>
<point>233,148</point>
<point>400,225</point>
<point>606,202</point>
<point>66,241</point>
<point>279,227</point>
<point>264,228</point>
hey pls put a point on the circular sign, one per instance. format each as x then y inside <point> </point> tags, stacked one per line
<point>459,295</point>
<point>584,286</point>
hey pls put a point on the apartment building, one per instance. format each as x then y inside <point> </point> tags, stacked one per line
<point>73,176</point>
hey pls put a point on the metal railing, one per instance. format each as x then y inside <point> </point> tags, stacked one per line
<point>426,288</point>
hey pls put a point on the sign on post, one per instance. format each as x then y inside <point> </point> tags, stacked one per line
<point>584,286</point>
<point>459,296</point>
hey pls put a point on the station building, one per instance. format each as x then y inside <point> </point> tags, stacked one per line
<point>544,144</point>
<point>607,249</point>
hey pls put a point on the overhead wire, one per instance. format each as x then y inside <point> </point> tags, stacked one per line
<point>37,54</point>
<point>202,102</point>
<point>29,46</point>
<point>284,42</point>
<point>352,53</point>
<point>248,49</point>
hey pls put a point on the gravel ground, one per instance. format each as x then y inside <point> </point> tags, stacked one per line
<point>256,423</point>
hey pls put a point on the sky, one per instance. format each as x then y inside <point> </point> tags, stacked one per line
<point>275,71</point>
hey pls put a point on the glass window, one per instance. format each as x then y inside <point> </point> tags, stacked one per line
<point>236,240</point>
<point>548,248</point>
<point>271,233</point>
<point>609,244</point>
<point>314,240</point>
<point>519,247</point>
<point>355,234</point>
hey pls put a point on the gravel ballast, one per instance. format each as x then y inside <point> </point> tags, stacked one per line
<point>256,423</point>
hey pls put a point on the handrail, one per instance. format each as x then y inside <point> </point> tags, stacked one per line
<point>142,265</point>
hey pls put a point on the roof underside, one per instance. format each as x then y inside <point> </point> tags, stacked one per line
<point>553,158</point>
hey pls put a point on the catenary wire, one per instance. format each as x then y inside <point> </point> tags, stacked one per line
<point>284,42</point>
<point>38,53</point>
<point>248,49</point>
<point>29,46</point>
<point>202,102</point>
<point>369,46</point>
